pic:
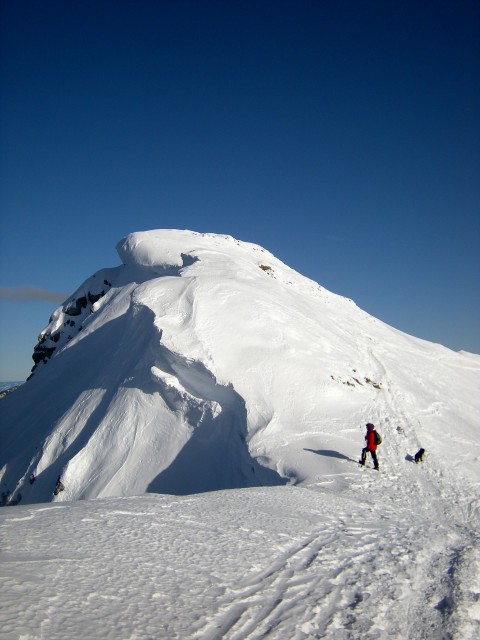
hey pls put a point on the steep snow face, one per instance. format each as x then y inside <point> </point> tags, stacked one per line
<point>204,363</point>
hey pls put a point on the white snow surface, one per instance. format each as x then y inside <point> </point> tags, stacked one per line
<point>206,369</point>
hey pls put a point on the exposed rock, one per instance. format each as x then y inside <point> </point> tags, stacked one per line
<point>42,353</point>
<point>92,298</point>
<point>80,306</point>
<point>75,307</point>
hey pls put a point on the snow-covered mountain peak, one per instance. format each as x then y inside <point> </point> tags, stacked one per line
<point>164,248</point>
<point>175,252</point>
<point>203,362</point>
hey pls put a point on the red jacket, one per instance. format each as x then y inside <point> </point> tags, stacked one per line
<point>370,440</point>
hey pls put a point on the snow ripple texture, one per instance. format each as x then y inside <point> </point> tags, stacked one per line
<point>210,366</point>
<point>377,561</point>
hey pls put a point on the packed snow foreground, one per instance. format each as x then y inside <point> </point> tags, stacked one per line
<point>204,364</point>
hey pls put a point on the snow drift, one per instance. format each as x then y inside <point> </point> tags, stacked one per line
<point>205,363</point>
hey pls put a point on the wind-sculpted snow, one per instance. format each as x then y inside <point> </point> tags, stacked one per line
<point>203,362</point>
<point>387,558</point>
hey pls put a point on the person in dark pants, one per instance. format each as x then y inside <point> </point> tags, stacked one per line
<point>371,446</point>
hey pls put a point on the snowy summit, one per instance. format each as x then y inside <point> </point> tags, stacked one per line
<point>203,363</point>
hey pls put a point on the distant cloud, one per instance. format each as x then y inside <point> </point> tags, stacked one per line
<point>30,294</point>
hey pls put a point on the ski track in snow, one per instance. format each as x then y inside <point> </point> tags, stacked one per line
<point>179,406</point>
<point>385,558</point>
<point>361,574</point>
<point>353,555</point>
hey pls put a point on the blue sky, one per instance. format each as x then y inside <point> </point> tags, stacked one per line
<point>342,136</point>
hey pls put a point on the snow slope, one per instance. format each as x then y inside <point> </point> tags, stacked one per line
<point>388,557</point>
<point>205,364</point>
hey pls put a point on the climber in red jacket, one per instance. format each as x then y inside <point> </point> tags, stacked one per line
<point>371,446</point>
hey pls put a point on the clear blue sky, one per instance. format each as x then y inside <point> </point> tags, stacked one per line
<point>343,136</point>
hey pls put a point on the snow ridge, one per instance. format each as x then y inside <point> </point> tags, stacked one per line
<point>203,362</point>
<point>207,365</point>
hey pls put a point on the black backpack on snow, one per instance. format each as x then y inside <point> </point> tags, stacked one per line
<point>378,437</point>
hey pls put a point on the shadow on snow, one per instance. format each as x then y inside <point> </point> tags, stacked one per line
<point>329,453</point>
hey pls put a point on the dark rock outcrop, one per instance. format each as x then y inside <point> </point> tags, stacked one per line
<point>53,338</point>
